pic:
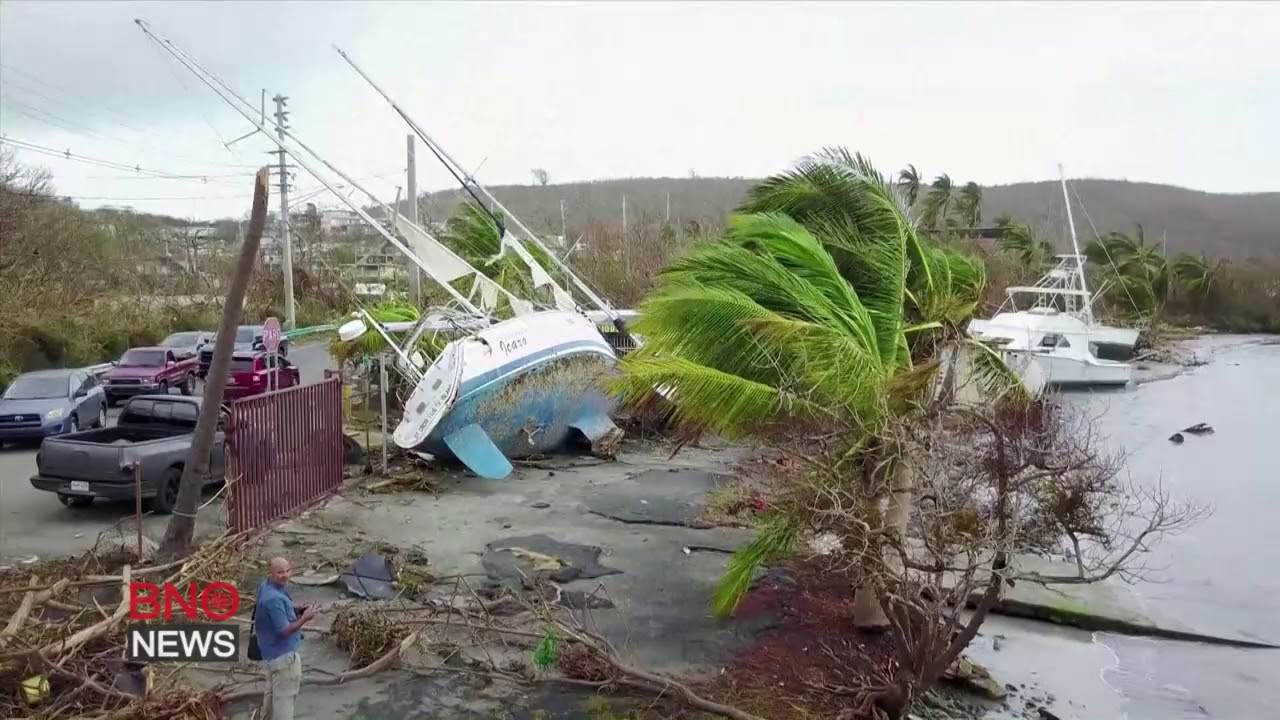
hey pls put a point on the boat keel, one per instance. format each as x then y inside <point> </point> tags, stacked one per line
<point>475,449</point>
<point>605,437</point>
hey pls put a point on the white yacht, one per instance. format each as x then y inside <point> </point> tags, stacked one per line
<point>1062,301</point>
<point>1057,331</point>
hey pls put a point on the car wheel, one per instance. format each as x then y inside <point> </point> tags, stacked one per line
<point>188,384</point>
<point>163,388</point>
<point>75,501</point>
<point>102,415</point>
<point>73,425</point>
<point>167,494</point>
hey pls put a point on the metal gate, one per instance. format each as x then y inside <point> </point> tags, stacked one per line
<point>284,450</point>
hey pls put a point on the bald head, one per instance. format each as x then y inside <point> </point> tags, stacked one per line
<point>278,571</point>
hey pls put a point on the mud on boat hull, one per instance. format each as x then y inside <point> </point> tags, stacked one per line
<point>535,412</point>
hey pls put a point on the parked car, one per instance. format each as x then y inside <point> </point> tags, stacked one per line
<point>153,432</point>
<point>252,374</point>
<point>147,371</point>
<point>50,402</point>
<point>188,343</point>
<point>248,337</point>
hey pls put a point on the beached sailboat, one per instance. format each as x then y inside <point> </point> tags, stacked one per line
<point>523,386</point>
<point>517,387</point>
<point>1058,332</point>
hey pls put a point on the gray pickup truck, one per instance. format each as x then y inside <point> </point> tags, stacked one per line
<point>153,430</point>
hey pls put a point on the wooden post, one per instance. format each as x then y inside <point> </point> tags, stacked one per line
<point>182,524</point>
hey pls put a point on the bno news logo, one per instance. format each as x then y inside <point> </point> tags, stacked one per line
<point>208,638</point>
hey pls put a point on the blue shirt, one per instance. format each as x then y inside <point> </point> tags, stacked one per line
<point>271,615</point>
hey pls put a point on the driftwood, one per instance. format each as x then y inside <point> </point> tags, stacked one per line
<point>20,615</point>
<point>61,647</point>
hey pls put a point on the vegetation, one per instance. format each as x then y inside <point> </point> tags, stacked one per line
<point>79,287</point>
<point>824,323</point>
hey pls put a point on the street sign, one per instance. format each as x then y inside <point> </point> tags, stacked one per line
<point>271,335</point>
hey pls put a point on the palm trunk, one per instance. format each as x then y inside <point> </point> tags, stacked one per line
<point>867,613</point>
<point>182,525</point>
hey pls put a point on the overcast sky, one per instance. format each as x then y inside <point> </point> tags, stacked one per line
<point>1180,93</point>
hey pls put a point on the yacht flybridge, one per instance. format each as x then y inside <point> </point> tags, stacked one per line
<point>1061,301</point>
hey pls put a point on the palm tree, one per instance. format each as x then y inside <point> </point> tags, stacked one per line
<point>909,183</point>
<point>814,305</point>
<point>971,204</point>
<point>1019,240</point>
<point>1197,273</point>
<point>1139,270</point>
<point>473,233</point>
<point>938,201</point>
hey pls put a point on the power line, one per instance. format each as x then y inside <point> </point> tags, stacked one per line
<point>26,87</point>
<point>110,164</point>
<point>146,199</point>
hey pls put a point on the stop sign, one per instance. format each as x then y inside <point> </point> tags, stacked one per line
<point>271,335</point>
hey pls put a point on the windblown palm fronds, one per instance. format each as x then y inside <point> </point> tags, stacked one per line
<point>1020,241</point>
<point>802,310</point>
<point>473,234</point>
<point>1138,271</point>
<point>371,343</point>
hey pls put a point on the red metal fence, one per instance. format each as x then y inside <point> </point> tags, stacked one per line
<point>284,451</point>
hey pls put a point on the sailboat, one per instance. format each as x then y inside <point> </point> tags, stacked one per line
<point>1058,332</point>
<point>506,389</point>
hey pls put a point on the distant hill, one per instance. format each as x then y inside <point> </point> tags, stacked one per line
<point>1229,225</point>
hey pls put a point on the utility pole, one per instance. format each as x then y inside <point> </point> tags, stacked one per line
<point>564,231</point>
<point>415,275</point>
<point>286,248</point>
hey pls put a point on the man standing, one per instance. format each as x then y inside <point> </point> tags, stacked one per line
<point>276,628</point>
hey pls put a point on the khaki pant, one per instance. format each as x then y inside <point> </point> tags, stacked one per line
<point>284,678</point>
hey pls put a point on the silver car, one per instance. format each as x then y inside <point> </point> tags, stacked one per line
<point>51,402</point>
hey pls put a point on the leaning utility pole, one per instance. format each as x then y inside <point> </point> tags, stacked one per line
<point>415,276</point>
<point>182,524</point>
<point>286,248</point>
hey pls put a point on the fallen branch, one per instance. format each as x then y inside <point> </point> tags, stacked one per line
<point>59,647</point>
<point>386,661</point>
<point>20,615</point>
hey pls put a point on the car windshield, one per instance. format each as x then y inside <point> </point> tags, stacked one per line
<point>37,388</point>
<point>241,365</point>
<point>143,358</point>
<point>246,334</point>
<point>181,340</point>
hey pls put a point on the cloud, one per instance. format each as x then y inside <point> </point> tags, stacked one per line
<point>997,93</point>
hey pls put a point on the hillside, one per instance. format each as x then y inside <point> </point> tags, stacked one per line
<point>1229,225</point>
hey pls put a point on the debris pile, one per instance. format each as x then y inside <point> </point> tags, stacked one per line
<point>366,634</point>
<point>62,646</point>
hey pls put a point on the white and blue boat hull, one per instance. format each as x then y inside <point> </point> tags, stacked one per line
<point>523,387</point>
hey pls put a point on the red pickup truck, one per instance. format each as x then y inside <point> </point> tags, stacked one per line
<point>149,371</point>
<point>252,374</point>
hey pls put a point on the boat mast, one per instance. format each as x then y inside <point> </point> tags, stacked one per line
<point>1075,247</point>
<point>213,82</point>
<point>444,155</point>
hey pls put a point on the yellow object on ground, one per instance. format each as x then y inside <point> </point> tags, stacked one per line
<point>35,689</point>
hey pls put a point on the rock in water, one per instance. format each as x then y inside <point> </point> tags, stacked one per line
<point>974,678</point>
<point>1176,438</point>
<point>1199,429</point>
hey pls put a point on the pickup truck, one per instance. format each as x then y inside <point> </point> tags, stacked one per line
<point>148,371</point>
<point>153,431</point>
